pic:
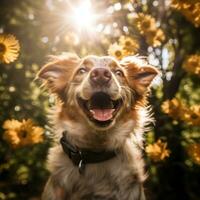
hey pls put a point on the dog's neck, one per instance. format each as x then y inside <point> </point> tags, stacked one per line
<point>82,157</point>
<point>83,136</point>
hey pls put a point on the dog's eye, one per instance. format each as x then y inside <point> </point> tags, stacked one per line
<point>119,73</point>
<point>81,71</point>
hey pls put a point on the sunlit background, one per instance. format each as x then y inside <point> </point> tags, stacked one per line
<point>83,16</point>
<point>164,32</point>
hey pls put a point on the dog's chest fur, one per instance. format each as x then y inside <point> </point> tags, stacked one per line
<point>117,179</point>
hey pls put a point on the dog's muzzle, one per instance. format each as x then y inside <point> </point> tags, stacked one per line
<point>103,102</point>
<point>100,108</point>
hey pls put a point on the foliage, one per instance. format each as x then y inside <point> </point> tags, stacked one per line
<point>165,32</point>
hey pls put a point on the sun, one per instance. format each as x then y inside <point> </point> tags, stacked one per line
<point>83,16</point>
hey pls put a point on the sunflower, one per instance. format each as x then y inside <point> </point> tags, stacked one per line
<point>173,108</point>
<point>23,133</point>
<point>11,124</point>
<point>192,64</point>
<point>193,151</point>
<point>147,27</point>
<point>155,37</point>
<point>9,48</point>
<point>144,22</point>
<point>192,115</point>
<point>130,45</point>
<point>157,151</point>
<point>116,50</point>
<point>179,111</point>
<point>189,8</point>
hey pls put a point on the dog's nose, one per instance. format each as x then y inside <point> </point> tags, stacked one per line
<point>100,76</point>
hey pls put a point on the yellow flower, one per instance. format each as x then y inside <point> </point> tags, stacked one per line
<point>192,64</point>
<point>157,151</point>
<point>172,107</point>
<point>116,50</point>
<point>145,22</point>
<point>189,8</point>
<point>194,152</point>
<point>11,124</point>
<point>9,48</point>
<point>192,115</point>
<point>155,37</point>
<point>130,45</point>
<point>24,133</point>
<point>147,27</point>
<point>177,110</point>
<point>12,138</point>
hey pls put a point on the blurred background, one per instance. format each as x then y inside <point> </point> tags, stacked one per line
<point>165,32</point>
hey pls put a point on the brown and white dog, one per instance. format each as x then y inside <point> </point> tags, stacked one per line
<point>100,119</point>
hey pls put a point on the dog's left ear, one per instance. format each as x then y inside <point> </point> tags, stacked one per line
<point>139,74</point>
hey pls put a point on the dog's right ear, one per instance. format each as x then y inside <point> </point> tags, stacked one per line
<point>57,73</point>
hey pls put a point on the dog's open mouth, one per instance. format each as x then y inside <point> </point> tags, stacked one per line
<point>100,108</point>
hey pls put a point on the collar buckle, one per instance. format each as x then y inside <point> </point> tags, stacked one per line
<point>75,157</point>
<point>81,167</point>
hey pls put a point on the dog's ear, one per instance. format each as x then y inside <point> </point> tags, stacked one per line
<point>139,74</point>
<point>57,73</point>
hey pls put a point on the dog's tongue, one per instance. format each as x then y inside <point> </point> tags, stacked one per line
<point>102,114</point>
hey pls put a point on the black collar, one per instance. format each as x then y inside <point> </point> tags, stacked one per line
<point>81,157</point>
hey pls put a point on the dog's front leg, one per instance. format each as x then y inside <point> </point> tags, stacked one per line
<point>142,195</point>
<point>53,191</point>
<point>136,193</point>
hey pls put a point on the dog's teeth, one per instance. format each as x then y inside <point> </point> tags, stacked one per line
<point>92,111</point>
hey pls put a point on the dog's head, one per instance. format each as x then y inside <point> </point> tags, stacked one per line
<point>99,90</point>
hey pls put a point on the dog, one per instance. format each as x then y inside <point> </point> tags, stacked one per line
<point>99,121</point>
